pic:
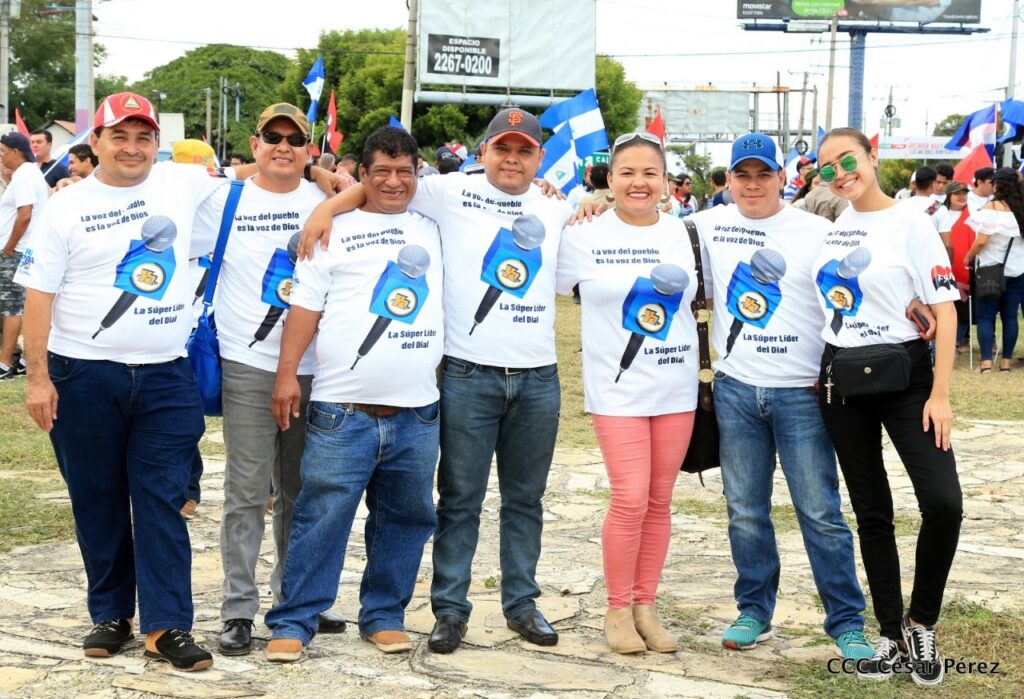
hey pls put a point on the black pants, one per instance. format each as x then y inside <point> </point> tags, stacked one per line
<point>855,426</point>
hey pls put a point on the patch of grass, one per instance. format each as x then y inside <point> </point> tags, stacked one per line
<point>603,494</point>
<point>994,396</point>
<point>23,446</point>
<point>967,631</point>
<point>26,520</point>
<point>492,582</point>
<point>574,428</point>
<point>700,508</point>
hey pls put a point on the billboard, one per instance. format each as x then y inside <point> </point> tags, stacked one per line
<point>916,11</point>
<point>917,148</point>
<point>700,112</point>
<point>508,44</point>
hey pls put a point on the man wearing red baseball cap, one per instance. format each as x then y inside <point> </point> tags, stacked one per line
<point>106,321</point>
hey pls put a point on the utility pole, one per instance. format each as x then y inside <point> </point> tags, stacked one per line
<point>831,74</point>
<point>7,11</point>
<point>209,116</point>
<point>803,106</point>
<point>85,93</point>
<point>1007,151</point>
<point>410,67</point>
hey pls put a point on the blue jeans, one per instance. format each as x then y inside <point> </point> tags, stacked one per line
<point>1007,306</point>
<point>347,453</point>
<point>514,416</point>
<point>755,422</point>
<point>195,472</point>
<point>124,442</point>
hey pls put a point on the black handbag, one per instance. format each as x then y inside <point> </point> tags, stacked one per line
<point>702,453</point>
<point>990,280</point>
<point>868,370</point>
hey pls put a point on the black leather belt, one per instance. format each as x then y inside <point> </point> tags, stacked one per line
<point>374,410</point>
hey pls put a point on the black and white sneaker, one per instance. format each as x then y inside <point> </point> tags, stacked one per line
<point>107,638</point>
<point>926,667</point>
<point>879,667</point>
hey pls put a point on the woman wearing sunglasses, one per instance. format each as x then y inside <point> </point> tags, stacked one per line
<point>999,225</point>
<point>635,270</point>
<point>877,372</point>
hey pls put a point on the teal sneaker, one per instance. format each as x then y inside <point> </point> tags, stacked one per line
<point>854,645</point>
<point>745,633</point>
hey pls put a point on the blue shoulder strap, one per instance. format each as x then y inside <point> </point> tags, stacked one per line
<point>222,239</point>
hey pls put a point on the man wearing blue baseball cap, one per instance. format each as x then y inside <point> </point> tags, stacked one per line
<point>768,341</point>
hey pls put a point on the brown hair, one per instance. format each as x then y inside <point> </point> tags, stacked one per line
<point>849,132</point>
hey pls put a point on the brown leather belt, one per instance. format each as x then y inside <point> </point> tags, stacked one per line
<point>374,410</point>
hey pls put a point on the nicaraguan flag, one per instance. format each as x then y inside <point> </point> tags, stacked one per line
<point>559,164</point>
<point>583,115</point>
<point>792,175</point>
<point>1012,112</point>
<point>314,84</point>
<point>61,154</point>
<point>393,121</point>
<point>978,129</point>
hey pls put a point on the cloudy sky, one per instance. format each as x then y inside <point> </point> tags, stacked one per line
<point>681,42</point>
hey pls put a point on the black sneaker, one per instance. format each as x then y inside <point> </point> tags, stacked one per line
<point>180,650</point>
<point>926,667</point>
<point>11,373</point>
<point>107,638</point>
<point>879,667</point>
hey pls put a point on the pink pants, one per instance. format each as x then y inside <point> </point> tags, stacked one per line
<point>642,456</point>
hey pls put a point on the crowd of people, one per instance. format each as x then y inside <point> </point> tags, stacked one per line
<point>337,301</point>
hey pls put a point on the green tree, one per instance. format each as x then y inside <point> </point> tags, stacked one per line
<point>894,175</point>
<point>620,99</point>
<point>181,86</point>
<point>949,125</point>
<point>42,65</point>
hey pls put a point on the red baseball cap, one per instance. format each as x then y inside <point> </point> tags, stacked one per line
<point>125,105</point>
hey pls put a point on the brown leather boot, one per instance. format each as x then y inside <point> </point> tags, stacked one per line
<point>650,630</point>
<point>620,632</point>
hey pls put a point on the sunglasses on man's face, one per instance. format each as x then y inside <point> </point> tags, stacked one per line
<point>295,140</point>
<point>829,173</point>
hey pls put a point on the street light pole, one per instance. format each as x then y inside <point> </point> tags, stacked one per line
<point>1007,151</point>
<point>85,94</point>
<point>831,74</point>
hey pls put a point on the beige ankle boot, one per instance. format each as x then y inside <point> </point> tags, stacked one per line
<point>620,632</point>
<point>645,619</point>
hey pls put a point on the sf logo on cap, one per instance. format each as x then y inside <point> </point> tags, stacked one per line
<point>515,118</point>
<point>753,144</point>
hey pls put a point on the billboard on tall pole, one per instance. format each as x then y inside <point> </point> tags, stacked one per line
<point>916,11</point>
<point>506,47</point>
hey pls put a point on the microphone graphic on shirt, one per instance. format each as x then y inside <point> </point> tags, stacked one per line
<point>754,293</point>
<point>649,308</point>
<point>203,262</point>
<point>277,286</point>
<point>838,283</point>
<point>145,269</point>
<point>398,295</point>
<point>511,263</point>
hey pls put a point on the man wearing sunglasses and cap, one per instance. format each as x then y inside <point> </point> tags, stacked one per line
<point>500,390</point>
<point>768,341</point>
<point>252,304</point>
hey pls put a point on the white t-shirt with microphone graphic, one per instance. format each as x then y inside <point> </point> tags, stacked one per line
<point>873,264</point>
<point>499,286</point>
<point>251,298</point>
<point>766,330</point>
<point>639,335</point>
<point>117,259</point>
<point>378,285</point>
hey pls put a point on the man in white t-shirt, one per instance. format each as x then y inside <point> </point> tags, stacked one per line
<point>500,390</point>
<point>924,198</point>
<point>982,189</point>
<point>768,340</point>
<point>20,207</point>
<point>251,302</point>
<point>107,315</point>
<point>373,299</point>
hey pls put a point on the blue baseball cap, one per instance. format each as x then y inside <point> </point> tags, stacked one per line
<point>758,146</point>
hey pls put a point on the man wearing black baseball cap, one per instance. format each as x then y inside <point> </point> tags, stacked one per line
<point>500,391</point>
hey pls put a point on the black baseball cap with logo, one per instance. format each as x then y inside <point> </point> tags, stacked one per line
<point>514,121</point>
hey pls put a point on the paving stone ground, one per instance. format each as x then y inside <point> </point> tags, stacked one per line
<point>43,618</point>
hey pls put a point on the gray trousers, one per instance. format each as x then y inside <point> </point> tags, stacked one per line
<point>257,453</point>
